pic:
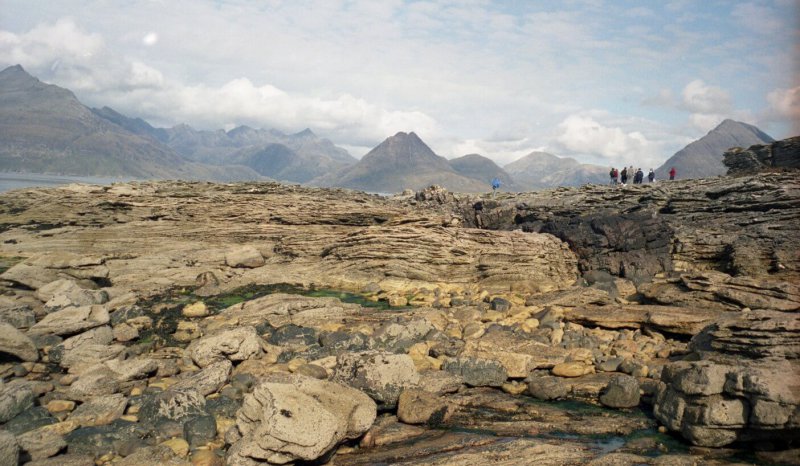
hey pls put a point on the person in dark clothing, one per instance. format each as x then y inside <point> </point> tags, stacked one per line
<point>613,175</point>
<point>623,175</point>
<point>639,176</point>
<point>651,176</point>
<point>672,173</point>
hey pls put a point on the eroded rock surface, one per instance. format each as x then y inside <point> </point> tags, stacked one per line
<point>176,322</point>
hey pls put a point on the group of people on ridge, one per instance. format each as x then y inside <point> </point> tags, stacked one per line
<point>637,176</point>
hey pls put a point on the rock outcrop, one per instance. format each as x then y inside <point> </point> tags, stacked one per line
<point>779,155</point>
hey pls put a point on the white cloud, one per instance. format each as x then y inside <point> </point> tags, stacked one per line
<point>583,134</point>
<point>239,101</point>
<point>709,105</point>
<point>784,104</point>
<point>60,40</point>
<point>143,76</point>
<point>699,97</point>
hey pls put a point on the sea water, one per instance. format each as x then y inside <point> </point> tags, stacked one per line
<point>9,181</point>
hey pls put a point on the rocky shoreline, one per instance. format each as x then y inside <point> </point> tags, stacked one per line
<point>199,323</point>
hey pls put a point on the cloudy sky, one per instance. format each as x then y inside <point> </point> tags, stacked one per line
<point>608,82</point>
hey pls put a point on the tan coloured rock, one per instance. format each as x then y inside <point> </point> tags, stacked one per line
<point>197,309</point>
<point>71,320</point>
<point>289,418</point>
<point>245,256</point>
<point>572,369</point>
<point>517,354</point>
<point>99,411</point>
<point>60,406</point>
<point>236,344</point>
<point>16,343</point>
<point>421,407</point>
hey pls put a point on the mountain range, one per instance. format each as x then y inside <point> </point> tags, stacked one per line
<point>45,129</point>
<point>404,161</point>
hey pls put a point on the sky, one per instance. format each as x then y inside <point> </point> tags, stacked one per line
<point>608,82</point>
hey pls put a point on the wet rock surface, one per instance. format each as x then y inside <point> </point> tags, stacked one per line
<point>195,323</point>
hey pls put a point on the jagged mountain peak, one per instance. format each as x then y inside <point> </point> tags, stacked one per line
<point>15,70</point>
<point>703,157</point>
<point>306,133</point>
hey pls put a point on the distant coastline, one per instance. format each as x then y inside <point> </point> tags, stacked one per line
<point>14,180</point>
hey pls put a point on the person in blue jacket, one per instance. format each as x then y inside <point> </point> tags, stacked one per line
<point>495,185</point>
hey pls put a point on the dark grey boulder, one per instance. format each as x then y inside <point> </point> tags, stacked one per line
<point>477,372</point>
<point>200,430</point>
<point>622,391</point>
<point>30,419</point>
<point>547,387</point>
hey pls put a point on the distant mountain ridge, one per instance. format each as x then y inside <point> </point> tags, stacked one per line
<point>45,129</point>
<point>481,168</point>
<point>297,157</point>
<point>703,158</point>
<point>541,170</point>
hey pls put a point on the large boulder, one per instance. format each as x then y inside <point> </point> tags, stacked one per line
<point>16,343</point>
<point>40,443</point>
<point>71,320</point>
<point>172,405</point>
<point>477,372</point>
<point>14,399</point>
<point>622,391</point>
<point>380,375</point>
<point>421,407</point>
<point>236,344</point>
<point>245,256</point>
<point>100,410</point>
<point>294,418</point>
<point>65,293</point>
<point>9,449</point>
<point>209,380</point>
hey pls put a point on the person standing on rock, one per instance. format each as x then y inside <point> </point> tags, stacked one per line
<point>672,173</point>
<point>651,176</point>
<point>623,176</point>
<point>495,186</point>
<point>639,176</point>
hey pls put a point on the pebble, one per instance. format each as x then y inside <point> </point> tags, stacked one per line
<point>178,446</point>
<point>295,363</point>
<point>571,369</point>
<point>205,457</point>
<point>60,406</point>
<point>198,309</point>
